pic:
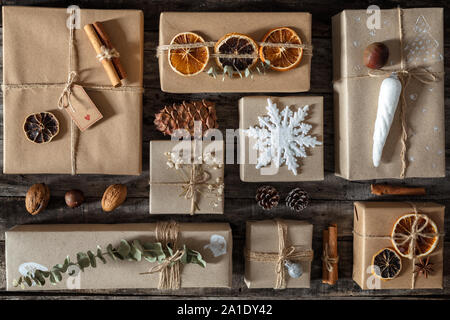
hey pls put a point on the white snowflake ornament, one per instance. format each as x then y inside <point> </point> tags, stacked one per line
<point>282,137</point>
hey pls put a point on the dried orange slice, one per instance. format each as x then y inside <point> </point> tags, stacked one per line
<point>386,264</point>
<point>188,61</point>
<point>236,44</point>
<point>281,58</point>
<point>41,127</point>
<point>414,235</point>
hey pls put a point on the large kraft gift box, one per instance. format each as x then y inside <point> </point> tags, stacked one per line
<point>174,191</point>
<point>47,245</point>
<point>310,168</point>
<point>356,93</point>
<point>214,25</point>
<point>263,252</point>
<point>373,225</point>
<point>36,51</point>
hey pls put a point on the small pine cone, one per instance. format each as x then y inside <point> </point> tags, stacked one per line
<point>297,199</point>
<point>267,197</point>
<point>182,116</point>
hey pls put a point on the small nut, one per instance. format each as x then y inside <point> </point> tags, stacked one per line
<point>37,198</point>
<point>113,197</point>
<point>74,198</point>
<point>376,55</point>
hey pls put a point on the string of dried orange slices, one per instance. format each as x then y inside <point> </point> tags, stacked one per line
<point>236,54</point>
<point>414,236</point>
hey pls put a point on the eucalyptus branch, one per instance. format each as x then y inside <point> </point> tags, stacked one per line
<point>230,71</point>
<point>130,251</point>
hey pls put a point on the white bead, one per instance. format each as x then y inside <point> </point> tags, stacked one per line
<point>295,270</point>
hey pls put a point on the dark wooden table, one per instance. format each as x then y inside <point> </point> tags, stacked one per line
<point>332,199</point>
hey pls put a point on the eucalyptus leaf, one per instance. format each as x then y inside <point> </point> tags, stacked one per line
<point>100,254</point>
<point>154,251</point>
<point>92,259</point>
<point>83,260</point>
<point>136,250</point>
<point>110,251</point>
<point>124,249</point>
<point>28,281</point>
<point>57,275</point>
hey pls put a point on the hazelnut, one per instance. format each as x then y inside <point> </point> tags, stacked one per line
<point>376,55</point>
<point>37,198</point>
<point>74,198</point>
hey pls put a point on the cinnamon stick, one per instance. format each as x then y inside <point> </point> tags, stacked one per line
<point>107,42</point>
<point>107,63</point>
<point>382,189</point>
<point>330,250</point>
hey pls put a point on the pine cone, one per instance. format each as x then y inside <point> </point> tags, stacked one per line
<point>297,199</point>
<point>267,197</point>
<point>182,116</point>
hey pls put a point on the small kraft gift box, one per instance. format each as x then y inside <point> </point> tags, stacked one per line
<point>278,254</point>
<point>234,51</point>
<point>389,122</point>
<point>186,177</point>
<point>398,245</point>
<point>69,105</point>
<point>163,255</point>
<point>281,138</point>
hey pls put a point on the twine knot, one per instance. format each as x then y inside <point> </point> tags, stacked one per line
<point>64,98</point>
<point>329,261</point>
<point>107,53</point>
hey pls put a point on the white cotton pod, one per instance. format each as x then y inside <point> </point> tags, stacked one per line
<point>390,91</point>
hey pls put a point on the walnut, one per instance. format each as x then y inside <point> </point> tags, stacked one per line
<point>113,197</point>
<point>37,198</point>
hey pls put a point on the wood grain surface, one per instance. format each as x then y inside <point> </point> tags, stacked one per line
<point>332,199</point>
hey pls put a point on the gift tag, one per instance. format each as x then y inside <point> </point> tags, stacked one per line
<point>84,112</point>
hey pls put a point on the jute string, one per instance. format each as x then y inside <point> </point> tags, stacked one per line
<point>107,53</point>
<point>169,270</point>
<point>307,49</point>
<point>405,74</point>
<point>64,99</point>
<point>330,262</point>
<point>285,253</point>
<point>410,238</point>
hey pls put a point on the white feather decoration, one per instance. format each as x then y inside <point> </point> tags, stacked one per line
<point>390,91</point>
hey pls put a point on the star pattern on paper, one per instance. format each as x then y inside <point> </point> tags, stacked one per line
<point>282,137</point>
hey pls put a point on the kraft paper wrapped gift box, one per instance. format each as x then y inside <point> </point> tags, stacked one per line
<point>356,93</point>
<point>47,245</point>
<point>263,251</point>
<point>171,190</point>
<point>35,71</point>
<point>373,225</point>
<point>310,168</point>
<point>214,25</point>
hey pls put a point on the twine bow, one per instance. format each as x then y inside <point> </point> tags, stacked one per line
<point>191,187</point>
<point>107,53</point>
<point>169,270</point>
<point>329,261</point>
<point>285,253</point>
<point>64,98</point>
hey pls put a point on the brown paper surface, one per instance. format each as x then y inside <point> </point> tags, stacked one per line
<point>356,99</point>
<point>214,25</point>
<point>35,50</point>
<point>378,219</point>
<point>310,168</point>
<point>166,183</point>
<point>262,236</point>
<point>48,245</point>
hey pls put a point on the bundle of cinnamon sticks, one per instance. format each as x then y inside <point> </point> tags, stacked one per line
<point>106,52</point>
<point>330,257</point>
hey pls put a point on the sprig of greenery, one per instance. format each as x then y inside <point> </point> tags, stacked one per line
<point>131,251</point>
<point>230,71</point>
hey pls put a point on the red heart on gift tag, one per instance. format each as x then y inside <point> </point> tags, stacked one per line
<point>87,117</point>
